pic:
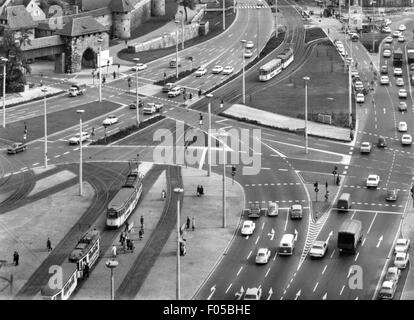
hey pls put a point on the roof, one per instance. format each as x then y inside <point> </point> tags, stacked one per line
<point>18,18</point>
<point>349,226</point>
<point>121,198</point>
<point>81,26</point>
<point>123,5</point>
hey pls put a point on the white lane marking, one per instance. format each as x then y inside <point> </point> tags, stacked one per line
<point>372,222</point>
<point>228,288</point>
<point>35,164</point>
<point>286,223</point>
<point>324,269</point>
<point>342,290</point>
<point>356,256</point>
<point>250,253</point>
<point>241,268</point>
<point>268,270</point>
<point>332,253</point>
<point>314,289</point>
<point>257,240</point>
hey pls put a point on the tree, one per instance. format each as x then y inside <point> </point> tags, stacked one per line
<point>187,4</point>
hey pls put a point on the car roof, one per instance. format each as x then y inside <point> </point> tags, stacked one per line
<point>392,269</point>
<point>372,176</point>
<point>319,242</point>
<point>252,290</point>
<point>248,222</point>
<point>402,241</point>
<point>262,250</point>
<point>388,284</point>
<point>400,255</point>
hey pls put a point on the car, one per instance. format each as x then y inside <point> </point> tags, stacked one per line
<point>386,53</point>
<point>388,39</point>
<point>227,70</point>
<point>396,34</point>
<point>248,228</point>
<point>393,274</point>
<point>349,60</point>
<point>318,249</point>
<point>402,27</point>
<point>249,45</point>
<point>402,106</point>
<point>134,105</point>
<point>176,91</point>
<point>385,80</point>
<point>217,69</point>
<point>402,93</point>
<point>358,85</point>
<point>388,22</point>
<point>401,260</point>
<point>254,210</point>
<point>296,211</point>
<point>139,67</point>
<point>406,139</point>
<point>253,294</point>
<point>402,245</point>
<point>382,143</point>
<point>360,98</point>
<point>365,147</point>
<point>167,87</point>
<point>200,72</point>
<point>399,82</point>
<point>354,73</point>
<point>384,69</point>
<point>263,255</point>
<point>273,209</point>
<point>354,36</point>
<point>387,290</point>
<point>386,30</point>
<point>152,107</point>
<point>392,195</point>
<point>411,66</point>
<point>386,46</point>
<point>373,180</point>
<point>401,38</point>
<point>397,72</point>
<point>16,147</point>
<point>76,139</point>
<point>110,120</point>
<point>402,126</point>
<point>248,53</point>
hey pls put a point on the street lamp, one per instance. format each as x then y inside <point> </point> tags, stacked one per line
<point>350,93</point>
<point>276,19</point>
<point>4,61</point>
<point>80,150</point>
<point>112,264</point>
<point>306,113</point>
<point>137,95</point>
<point>178,191</point>
<point>44,90</point>
<point>100,40</point>
<point>243,42</point>
<point>209,96</point>
<point>182,29</point>
<point>176,49</point>
<point>258,32</point>
<point>224,14</point>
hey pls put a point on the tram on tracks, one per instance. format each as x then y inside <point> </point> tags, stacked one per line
<point>275,66</point>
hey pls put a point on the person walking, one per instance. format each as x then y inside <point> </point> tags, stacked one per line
<point>201,190</point>
<point>188,222</point>
<point>121,239</point>
<point>142,221</point>
<point>49,245</point>
<point>16,258</point>
<point>113,251</point>
<point>86,271</point>
<point>190,96</point>
<point>193,224</point>
<point>126,226</point>
<point>201,119</point>
<point>338,180</point>
<point>140,234</point>
<point>114,74</point>
<point>198,190</point>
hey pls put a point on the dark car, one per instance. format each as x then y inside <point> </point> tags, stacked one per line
<point>381,142</point>
<point>16,147</point>
<point>392,195</point>
<point>411,66</point>
<point>134,105</point>
<point>384,69</point>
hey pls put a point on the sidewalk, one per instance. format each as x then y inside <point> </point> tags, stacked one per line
<point>408,232</point>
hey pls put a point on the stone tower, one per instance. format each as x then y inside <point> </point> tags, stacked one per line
<point>158,8</point>
<point>121,17</point>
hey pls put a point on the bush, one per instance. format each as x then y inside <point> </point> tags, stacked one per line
<point>173,79</point>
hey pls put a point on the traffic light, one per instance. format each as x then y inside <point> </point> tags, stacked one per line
<point>316,184</point>
<point>233,171</point>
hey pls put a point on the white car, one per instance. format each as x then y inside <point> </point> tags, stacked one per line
<point>386,53</point>
<point>200,72</point>
<point>386,29</point>
<point>359,85</point>
<point>152,107</point>
<point>217,69</point>
<point>253,294</point>
<point>402,93</point>
<point>365,147</point>
<point>338,43</point>
<point>402,106</point>
<point>388,39</point>
<point>401,260</point>
<point>263,256</point>
<point>401,38</point>
<point>249,45</point>
<point>373,180</point>
<point>248,228</point>
<point>385,80</point>
<point>387,290</point>
<point>360,98</point>
<point>318,249</point>
<point>354,73</point>
<point>402,245</point>
<point>393,274</point>
<point>396,34</point>
<point>397,72</point>
<point>176,91</point>
<point>402,27</point>
<point>273,209</point>
<point>406,139</point>
<point>110,120</point>
<point>248,53</point>
<point>139,67</point>
<point>77,138</point>
<point>349,60</point>
<point>227,70</point>
<point>399,82</point>
<point>402,126</point>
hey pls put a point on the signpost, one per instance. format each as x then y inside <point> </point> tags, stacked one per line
<point>316,189</point>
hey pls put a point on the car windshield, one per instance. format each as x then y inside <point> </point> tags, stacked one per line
<point>250,296</point>
<point>317,246</point>
<point>261,254</point>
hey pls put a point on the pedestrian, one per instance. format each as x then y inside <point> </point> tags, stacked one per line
<point>113,251</point>
<point>193,223</point>
<point>114,74</point>
<point>121,239</point>
<point>103,80</point>
<point>199,92</point>
<point>198,190</point>
<point>49,245</point>
<point>142,221</point>
<point>351,135</point>
<point>201,119</point>
<point>338,180</point>
<point>140,234</point>
<point>326,196</point>
<point>86,271</point>
<point>190,96</point>
<point>126,226</point>
<point>201,190</point>
<point>188,222</point>
<point>16,258</point>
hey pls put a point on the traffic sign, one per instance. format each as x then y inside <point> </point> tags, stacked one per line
<point>316,190</point>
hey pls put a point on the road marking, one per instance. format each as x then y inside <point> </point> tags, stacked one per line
<point>263,225</point>
<point>356,256</point>
<point>228,288</point>
<point>372,222</point>
<point>332,253</point>
<point>58,156</point>
<point>342,290</point>
<point>268,270</point>
<point>257,240</point>
<point>241,268</point>
<point>274,258</point>
<point>323,271</point>
<point>314,289</point>
<point>283,169</point>
<point>287,218</point>
<point>250,253</point>
<point>35,164</point>
<point>363,241</point>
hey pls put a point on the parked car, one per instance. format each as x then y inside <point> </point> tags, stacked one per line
<point>16,147</point>
<point>397,72</point>
<point>396,34</point>
<point>360,98</point>
<point>402,27</point>
<point>402,245</point>
<point>200,72</point>
<point>248,53</point>
<point>318,249</point>
<point>402,93</point>
<point>401,38</point>
<point>384,69</point>
<point>387,290</point>
<point>392,195</point>
<point>382,143</point>
<point>401,260</point>
<point>393,274</point>
<point>388,39</point>
<point>110,120</point>
<point>249,45</point>
<point>402,106</point>
<point>386,53</point>
<point>386,30</point>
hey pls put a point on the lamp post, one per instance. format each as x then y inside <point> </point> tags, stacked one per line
<point>258,32</point>
<point>44,90</point>
<point>243,42</point>
<point>112,264</point>
<point>222,134</point>
<point>178,287</point>
<point>276,19</point>
<point>176,49</point>
<point>209,96</point>
<point>4,61</point>
<point>350,93</point>
<point>182,29</point>
<point>224,14</point>
<point>80,112</point>
<point>100,40</point>
<point>306,113</point>
<point>137,95</point>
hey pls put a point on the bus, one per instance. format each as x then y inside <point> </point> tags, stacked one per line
<point>63,290</point>
<point>125,201</point>
<point>287,57</point>
<point>86,251</point>
<point>270,69</point>
<point>398,58</point>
